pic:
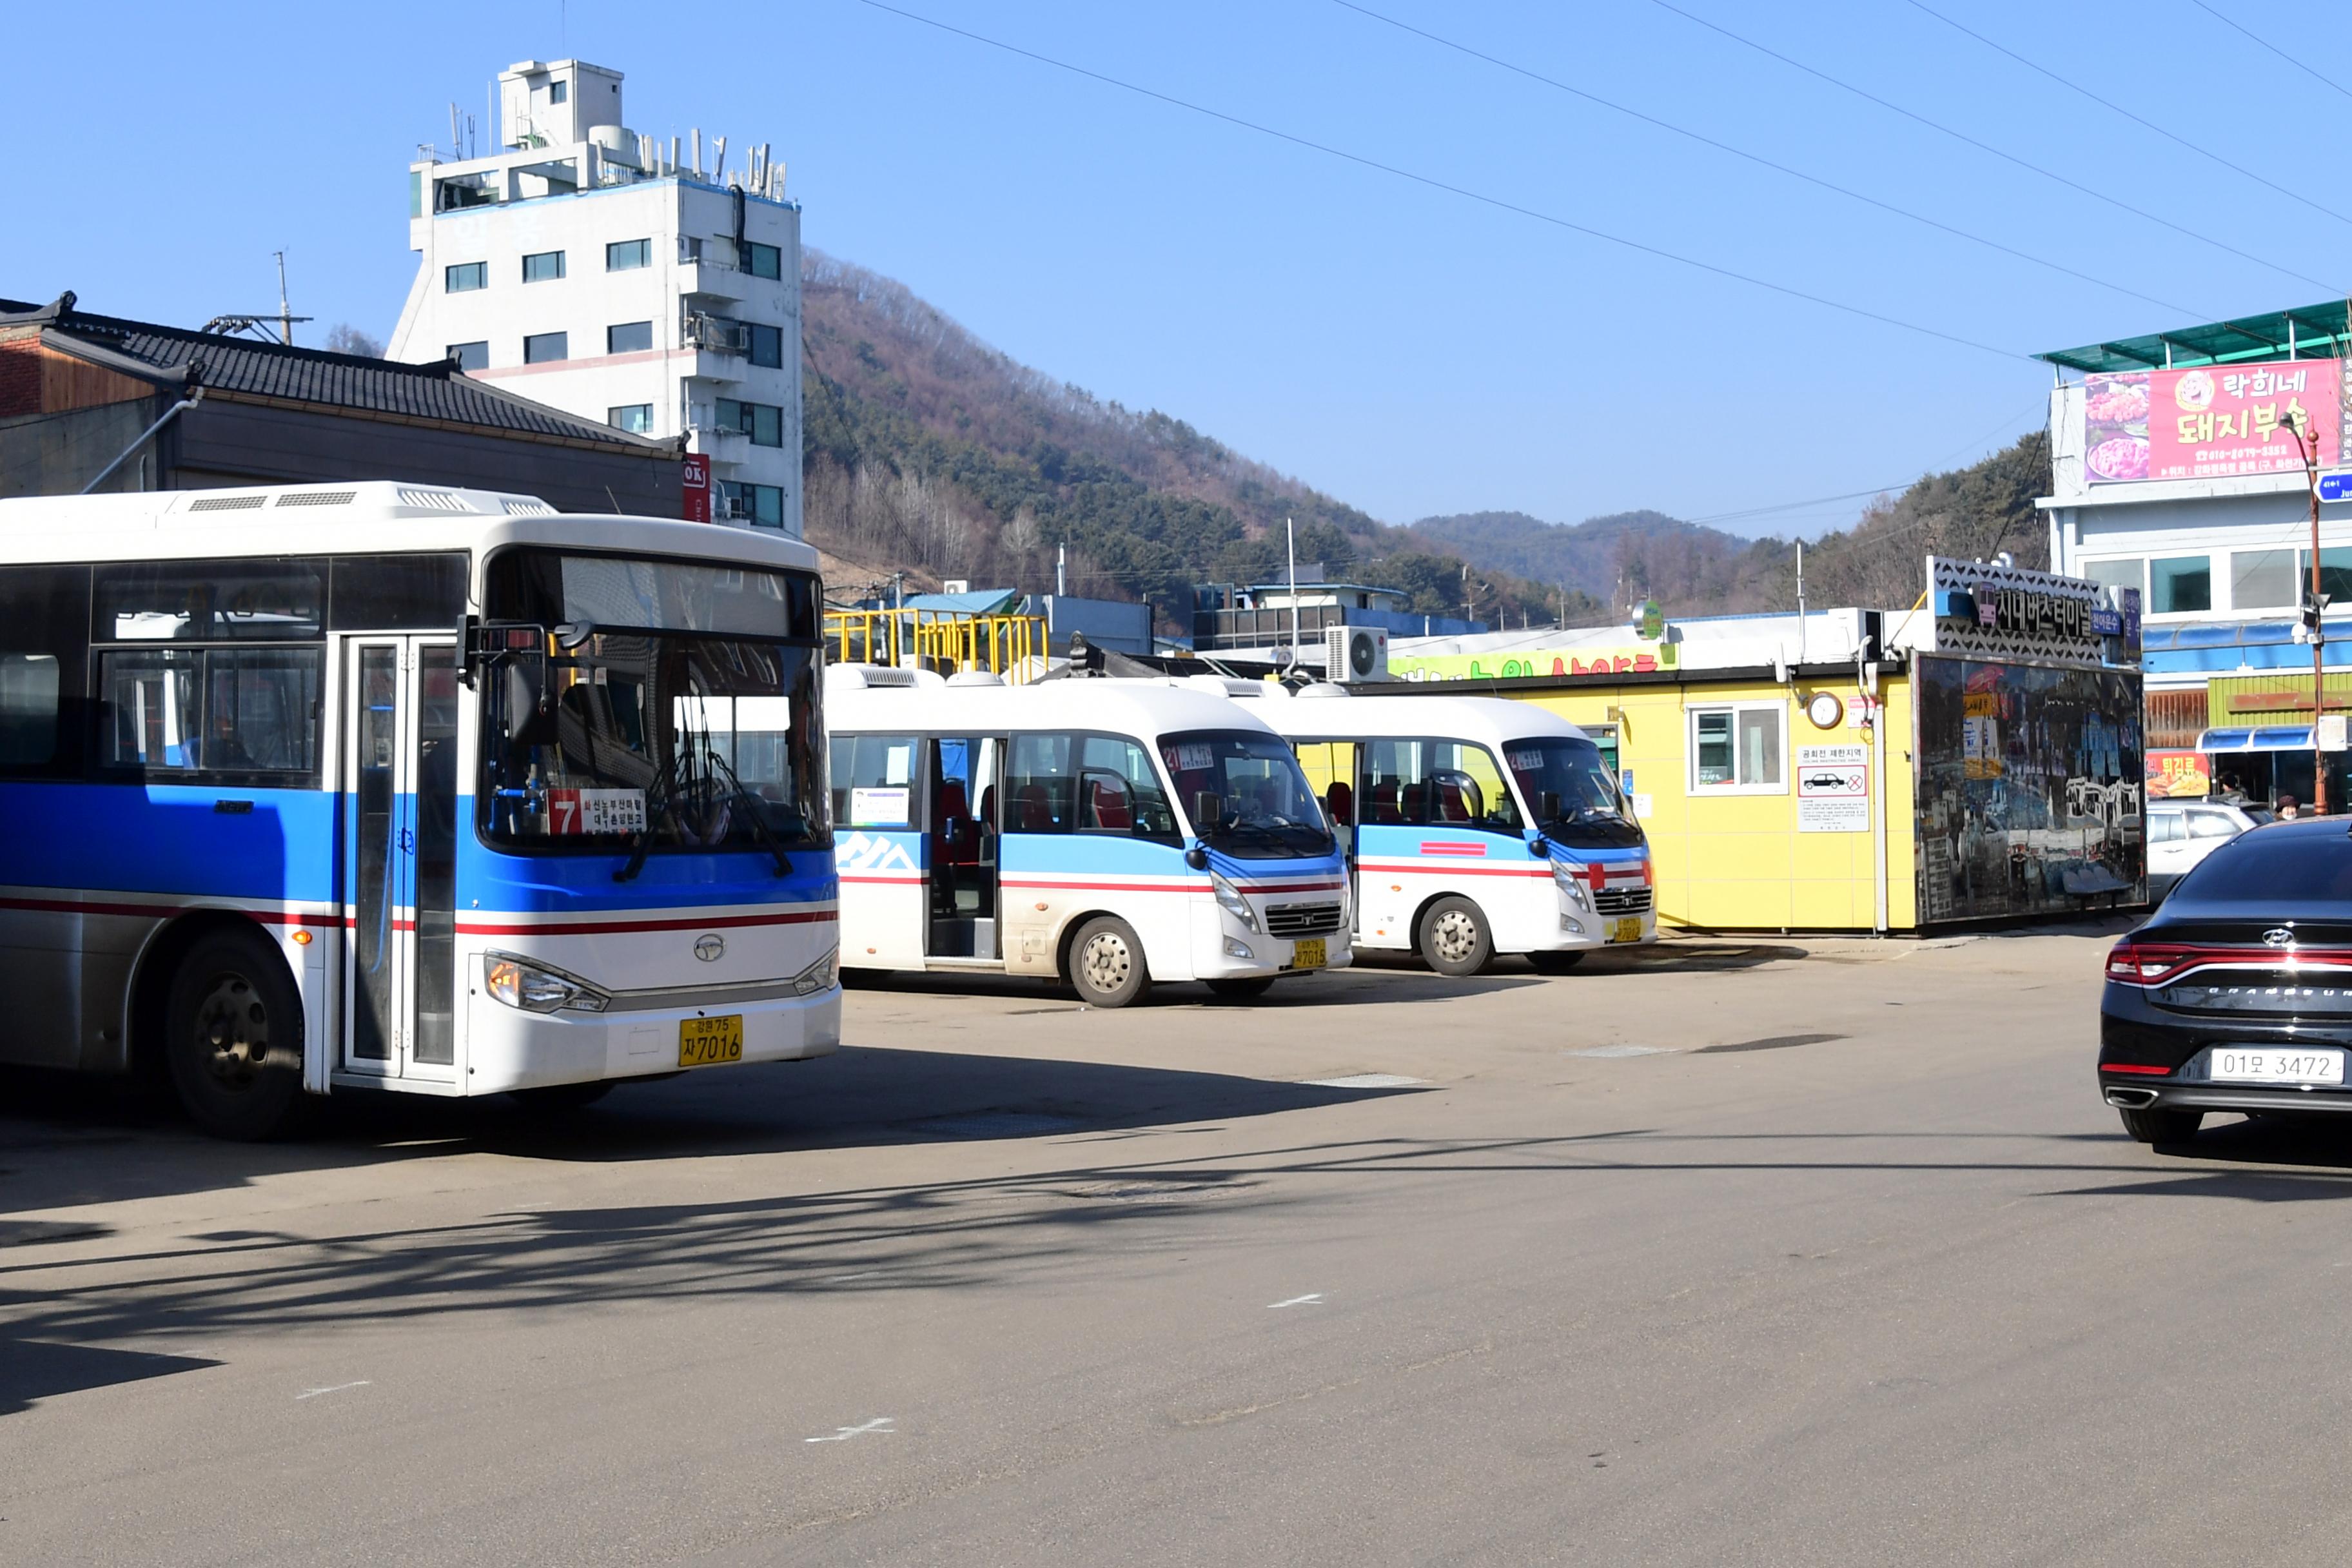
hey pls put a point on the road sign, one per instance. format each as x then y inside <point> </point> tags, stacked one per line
<point>2335,487</point>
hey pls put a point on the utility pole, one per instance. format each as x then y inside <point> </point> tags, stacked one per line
<point>2315,606</point>
<point>1290,546</point>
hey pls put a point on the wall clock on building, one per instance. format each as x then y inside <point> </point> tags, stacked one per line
<point>1826,710</point>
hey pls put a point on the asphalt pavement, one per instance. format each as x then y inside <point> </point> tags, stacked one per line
<point>1736,1252</point>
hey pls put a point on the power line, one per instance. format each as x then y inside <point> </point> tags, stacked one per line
<point>2127,114</point>
<point>1988,148</point>
<point>1433,184</point>
<point>2273,49</point>
<point>1759,159</point>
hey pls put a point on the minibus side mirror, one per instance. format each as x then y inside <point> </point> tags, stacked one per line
<point>1197,857</point>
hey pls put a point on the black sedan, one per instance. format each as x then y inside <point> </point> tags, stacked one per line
<point>2238,995</point>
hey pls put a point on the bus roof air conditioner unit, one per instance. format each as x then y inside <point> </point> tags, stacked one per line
<point>1355,653</point>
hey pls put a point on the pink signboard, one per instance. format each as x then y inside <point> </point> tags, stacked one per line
<point>2212,422</point>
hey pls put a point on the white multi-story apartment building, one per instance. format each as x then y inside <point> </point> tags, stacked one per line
<point>652,286</point>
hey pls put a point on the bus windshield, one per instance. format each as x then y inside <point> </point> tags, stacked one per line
<point>701,735</point>
<point>1245,794</point>
<point>1590,814</point>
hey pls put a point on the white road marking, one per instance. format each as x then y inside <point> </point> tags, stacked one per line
<point>1367,1080</point>
<point>880,1425</point>
<point>1611,1052</point>
<point>338,1388</point>
<point>1314,1300</point>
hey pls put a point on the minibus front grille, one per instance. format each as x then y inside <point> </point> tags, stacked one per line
<point>1621,902</point>
<point>1303,920</point>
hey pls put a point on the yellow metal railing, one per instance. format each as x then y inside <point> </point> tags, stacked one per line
<point>1010,645</point>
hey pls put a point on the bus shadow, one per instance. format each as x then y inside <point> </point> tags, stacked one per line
<point>65,1143</point>
<point>1389,979</point>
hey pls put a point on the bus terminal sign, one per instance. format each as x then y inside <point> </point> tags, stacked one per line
<point>1991,611</point>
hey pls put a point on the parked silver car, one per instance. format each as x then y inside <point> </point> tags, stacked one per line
<point>2180,833</point>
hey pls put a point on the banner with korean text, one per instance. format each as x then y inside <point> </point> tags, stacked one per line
<point>2212,422</point>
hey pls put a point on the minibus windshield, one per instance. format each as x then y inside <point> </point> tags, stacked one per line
<point>1590,814</point>
<point>1245,794</point>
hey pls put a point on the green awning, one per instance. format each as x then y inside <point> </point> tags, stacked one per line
<point>2315,331</point>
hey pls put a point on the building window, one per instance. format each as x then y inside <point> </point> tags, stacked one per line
<point>1739,749</point>
<point>558,91</point>
<point>762,505</point>
<point>2334,575</point>
<point>470,356</point>
<point>544,267</point>
<point>629,337</point>
<point>628,255</point>
<point>761,422</point>
<point>2131,573</point>
<point>2180,584</point>
<point>766,345</point>
<point>545,348</point>
<point>2262,580</point>
<point>637,418</point>
<point>762,260</point>
<point>465,278</point>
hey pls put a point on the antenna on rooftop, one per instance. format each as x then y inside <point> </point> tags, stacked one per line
<point>285,311</point>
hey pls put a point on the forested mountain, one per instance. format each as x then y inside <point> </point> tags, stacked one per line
<point>927,448</point>
<point>1618,559</point>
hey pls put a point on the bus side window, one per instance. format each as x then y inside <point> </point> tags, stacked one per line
<point>1488,804</point>
<point>1119,792</point>
<point>1039,786</point>
<point>44,657</point>
<point>873,781</point>
<point>1330,769</point>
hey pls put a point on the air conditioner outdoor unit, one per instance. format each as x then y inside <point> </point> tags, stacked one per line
<point>1355,653</point>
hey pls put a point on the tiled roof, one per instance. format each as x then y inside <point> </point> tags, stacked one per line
<point>438,391</point>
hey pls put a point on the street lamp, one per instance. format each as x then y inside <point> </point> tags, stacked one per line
<point>2313,604</point>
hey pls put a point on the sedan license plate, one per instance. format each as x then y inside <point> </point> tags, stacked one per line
<point>1307,952</point>
<point>1626,929</point>
<point>2237,1064</point>
<point>707,1042</point>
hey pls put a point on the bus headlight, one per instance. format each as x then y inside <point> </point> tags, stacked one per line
<point>818,976</point>
<point>1572,884</point>
<point>536,989</point>
<point>1229,899</point>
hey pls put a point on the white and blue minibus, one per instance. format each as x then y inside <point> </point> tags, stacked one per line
<point>1109,832</point>
<point>406,787</point>
<point>1473,826</point>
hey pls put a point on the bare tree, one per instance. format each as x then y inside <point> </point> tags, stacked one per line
<point>343,338</point>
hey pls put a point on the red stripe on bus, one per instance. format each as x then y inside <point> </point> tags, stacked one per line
<point>1114,887</point>
<point>1409,867</point>
<point>161,911</point>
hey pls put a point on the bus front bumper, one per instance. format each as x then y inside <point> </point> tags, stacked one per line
<point>509,1048</point>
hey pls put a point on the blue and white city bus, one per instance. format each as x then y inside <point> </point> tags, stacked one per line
<point>1475,826</point>
<point>395,786</point>
<point>1109,832</point>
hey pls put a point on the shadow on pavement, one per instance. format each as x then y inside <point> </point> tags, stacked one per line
<point>1387,978</point>
<point>31,1371</point>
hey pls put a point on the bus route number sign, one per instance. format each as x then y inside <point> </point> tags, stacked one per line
<point>572,812</point>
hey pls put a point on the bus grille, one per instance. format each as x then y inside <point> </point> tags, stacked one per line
<point>1620,900</point>
<point>1302,920</point>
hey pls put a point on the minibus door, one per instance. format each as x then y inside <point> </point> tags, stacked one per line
<point>400,855</point>
<point>1333,769</point>
<point>964,813</point>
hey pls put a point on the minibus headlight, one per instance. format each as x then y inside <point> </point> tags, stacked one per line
<point>820,975</point>
<point>538,990</point>
<point>1229,898</point>
<point>1572,884</point>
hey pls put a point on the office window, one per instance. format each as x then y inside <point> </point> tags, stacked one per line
<point>466,277</point>
<point>2180,584</point>
<point>2127,574</point>
<point>559,91</point>
<point>628,255</point>
<point>1738,749</point>
<point>764,422</point>
<point>542,348</point>
<point>543,268</point>
<point>2262,580</point>
<point>629,337</point>
<point>637,418</point>
<point>766,345</point>
<point>2335,575</point>
<point>470,356</point>
<point>762,260</point>
<point>760,505</point>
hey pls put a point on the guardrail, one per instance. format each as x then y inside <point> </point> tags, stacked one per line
<point>1010,646</point>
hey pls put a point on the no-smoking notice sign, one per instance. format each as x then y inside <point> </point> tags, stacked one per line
<point>1833,789</point>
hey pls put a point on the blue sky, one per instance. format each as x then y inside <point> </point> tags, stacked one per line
<point>1407,349</point>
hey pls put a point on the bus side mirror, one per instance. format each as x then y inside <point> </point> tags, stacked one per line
<point>1197,857</point>
<point>463,655</point>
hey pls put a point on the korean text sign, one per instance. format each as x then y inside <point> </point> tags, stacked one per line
<point>2212,422</point>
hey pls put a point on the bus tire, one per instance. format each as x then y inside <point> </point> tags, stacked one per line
<point>1106,963</point>
<point>1249,988</point>
<point>1453,939</point>
<point>1555,961</point>
<point>233,1038</point>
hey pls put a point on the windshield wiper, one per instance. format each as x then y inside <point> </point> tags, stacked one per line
<point>753,810</point>
<point>657,802</point>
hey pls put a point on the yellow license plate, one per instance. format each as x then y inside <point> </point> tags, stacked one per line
<point>1627,930</point>
<point>1307,952</point>
<point>707,1042</point>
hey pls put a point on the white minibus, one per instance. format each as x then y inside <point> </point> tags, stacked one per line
<point>1472,825</point>
<point>1107,833</point>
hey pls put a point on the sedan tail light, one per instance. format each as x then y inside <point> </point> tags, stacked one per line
<point>2154,963</point>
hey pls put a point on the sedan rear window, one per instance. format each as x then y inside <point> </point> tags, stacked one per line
<point>2274,868</point>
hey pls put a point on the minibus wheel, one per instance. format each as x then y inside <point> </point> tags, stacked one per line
<point>1555,961</point>
<point>233,1038</point>
<point>1454,939</point>
<point>1246,989</point>
<point>1106,963</point>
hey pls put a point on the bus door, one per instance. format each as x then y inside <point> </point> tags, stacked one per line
<point>1330,768</point>
<point>965,803</point>
<point>399,857</point>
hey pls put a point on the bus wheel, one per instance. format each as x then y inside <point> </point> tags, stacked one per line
<point>1454,939</point>
<point>1247,989</point>
<point>1106,964</point>
<point>233,1038</point>
<point>1555,961</point>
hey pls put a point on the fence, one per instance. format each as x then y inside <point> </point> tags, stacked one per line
<point>1010,646</point>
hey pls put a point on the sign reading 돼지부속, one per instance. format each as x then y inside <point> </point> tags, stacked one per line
<point>1833,789</point>
<point>1986,610</point>
<point>2212,422</point>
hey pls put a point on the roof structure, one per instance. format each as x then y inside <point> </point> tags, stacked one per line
<point>2314,331</point>
<point>437,392</point>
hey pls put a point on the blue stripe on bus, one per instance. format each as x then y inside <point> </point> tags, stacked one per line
<point>168,838</point>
